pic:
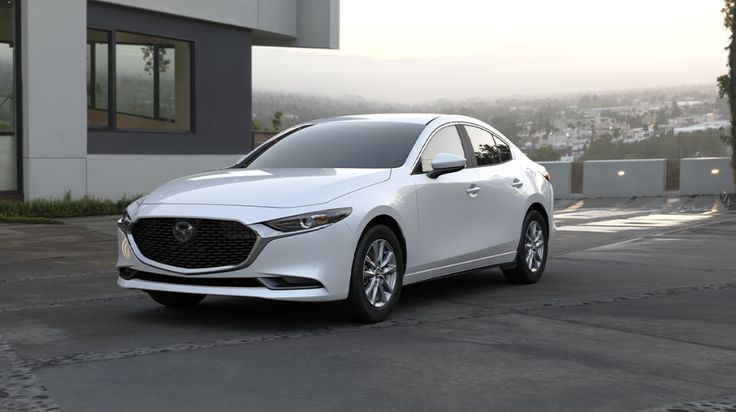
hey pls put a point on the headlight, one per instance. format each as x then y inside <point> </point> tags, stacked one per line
<point>125,222</point>
<point>309,220</point>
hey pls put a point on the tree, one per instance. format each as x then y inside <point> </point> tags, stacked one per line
<point>507,125</point>
<point>276,121</point>
<point>545,154</point>
<point>727,82</point>
<point>148,58</point>
<point>675,110</point>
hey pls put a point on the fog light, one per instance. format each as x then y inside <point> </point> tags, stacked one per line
<point>621,173</point>
<point>714,171</point>
<point>125,249</point>
<point>127,273</point>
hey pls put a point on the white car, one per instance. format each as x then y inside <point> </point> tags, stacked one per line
<point>344,209</point>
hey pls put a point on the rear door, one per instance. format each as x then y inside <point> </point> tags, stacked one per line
<point>502,192</point>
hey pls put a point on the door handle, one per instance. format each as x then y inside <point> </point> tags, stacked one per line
<point>517,183</point>
<point>472,191</point>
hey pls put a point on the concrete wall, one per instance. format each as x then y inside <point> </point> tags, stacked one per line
<point>54,100</point>
<point>705,176</point>
<point>114,176</point>
<point>561,178</point>
<point>641,178</point>
<point>701,176</point>
<point>287,23</point>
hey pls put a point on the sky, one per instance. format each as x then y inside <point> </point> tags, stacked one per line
<point>413,51</point>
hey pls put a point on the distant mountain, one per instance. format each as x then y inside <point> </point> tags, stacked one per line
<point>505,72</point>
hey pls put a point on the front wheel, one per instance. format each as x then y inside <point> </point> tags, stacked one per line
<point>175,300</point>
<point>531,255</point>
<point>377,275</point>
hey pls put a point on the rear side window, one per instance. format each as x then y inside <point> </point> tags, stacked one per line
<point>504,150</point>
<point>484,147</point>
<point>488,149</point>
<point>445,140</point>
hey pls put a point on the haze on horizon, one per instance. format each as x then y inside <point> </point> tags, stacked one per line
<point>412,51</point>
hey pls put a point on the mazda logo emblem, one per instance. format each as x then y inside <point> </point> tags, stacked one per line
<point>183,231</point>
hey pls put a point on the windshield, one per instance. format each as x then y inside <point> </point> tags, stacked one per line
<point>360,144</point>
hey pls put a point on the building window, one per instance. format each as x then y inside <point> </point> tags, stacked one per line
<point>6,68</point>
<point>8,140</point>
<point>98,78</point>
<point>151,77</point>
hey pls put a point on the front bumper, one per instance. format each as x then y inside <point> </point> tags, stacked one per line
<point>321,257</point>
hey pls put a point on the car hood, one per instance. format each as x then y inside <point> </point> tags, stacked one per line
<point>267,187</point>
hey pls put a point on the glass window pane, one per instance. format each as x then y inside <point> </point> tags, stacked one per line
<point>504,150</point>
<point>485,149</point>
<point>134,80</point>
<point>6,88</point>
<point>102,72</point>
<point>446,140</point>
<point>98,72</point>
<point>153,82</point>
<point>8,147</point>
<point>167,96</point>
<point>342,144</point>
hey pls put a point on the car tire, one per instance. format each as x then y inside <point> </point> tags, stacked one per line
<point>175,300</point>
<point>375,287</point>
<point>531,255</point>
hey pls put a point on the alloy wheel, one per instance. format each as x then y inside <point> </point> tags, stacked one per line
<point>379,273</point>
<point>534,246</point>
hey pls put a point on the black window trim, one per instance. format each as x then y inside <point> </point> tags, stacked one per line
<point>112,85</point>
<point>493,135</point>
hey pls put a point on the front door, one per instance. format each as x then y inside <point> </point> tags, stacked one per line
<point>447,212</point>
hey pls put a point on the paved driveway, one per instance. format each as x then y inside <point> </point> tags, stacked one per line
<point>636,310</point>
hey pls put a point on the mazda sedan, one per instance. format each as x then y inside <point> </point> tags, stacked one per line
<point>345,209</point>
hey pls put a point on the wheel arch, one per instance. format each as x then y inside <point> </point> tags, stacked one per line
<point>542,210</point>
<point>393,224</point>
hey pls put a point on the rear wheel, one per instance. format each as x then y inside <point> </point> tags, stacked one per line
<point>175,300</point>
<point>377,275</point>
<point>531,255</point>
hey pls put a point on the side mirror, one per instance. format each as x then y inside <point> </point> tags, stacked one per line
<point>443,163</point>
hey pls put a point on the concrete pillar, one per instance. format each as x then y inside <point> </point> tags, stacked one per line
<point>53,65</point>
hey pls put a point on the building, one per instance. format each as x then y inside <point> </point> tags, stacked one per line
<point>114,97</point>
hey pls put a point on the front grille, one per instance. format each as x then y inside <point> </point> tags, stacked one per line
<point>211,243</point>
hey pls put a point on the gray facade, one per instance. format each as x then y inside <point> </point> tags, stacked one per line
<point>187,110</point>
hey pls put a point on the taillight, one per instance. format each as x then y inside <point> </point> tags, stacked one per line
<point>545,174</point>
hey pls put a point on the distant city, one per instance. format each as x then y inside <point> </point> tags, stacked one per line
<point>656,123</point>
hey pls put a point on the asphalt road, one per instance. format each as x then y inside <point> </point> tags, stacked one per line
<point>635,312</point>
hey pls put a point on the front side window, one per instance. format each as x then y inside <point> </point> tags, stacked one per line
<point>445,140</point>
<point>152,80</point>
<point>340,144</point>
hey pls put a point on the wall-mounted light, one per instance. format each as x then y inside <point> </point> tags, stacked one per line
<point>714,171</point>
<point>621,172</point>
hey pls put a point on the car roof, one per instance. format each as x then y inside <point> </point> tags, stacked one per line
<point>412,118</point>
